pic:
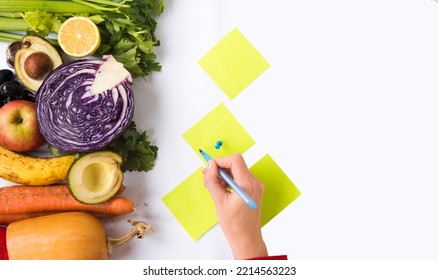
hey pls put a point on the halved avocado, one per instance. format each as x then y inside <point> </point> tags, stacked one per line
<point>36,58</point>
<point>95,177</point>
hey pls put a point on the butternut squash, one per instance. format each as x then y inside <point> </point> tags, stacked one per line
<point>65,236</point>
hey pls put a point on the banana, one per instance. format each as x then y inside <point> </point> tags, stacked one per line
<point>29,170</point>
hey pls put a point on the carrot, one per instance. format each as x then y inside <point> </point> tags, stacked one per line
<point>22,199</point>
<point>21,189</point>
<point>6,219</point>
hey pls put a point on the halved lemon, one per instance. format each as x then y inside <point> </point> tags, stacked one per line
<point>79,37</point>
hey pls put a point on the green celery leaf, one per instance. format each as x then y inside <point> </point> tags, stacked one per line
<point>42,22</point>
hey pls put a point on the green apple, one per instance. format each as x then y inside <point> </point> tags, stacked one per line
<point>19,130</point>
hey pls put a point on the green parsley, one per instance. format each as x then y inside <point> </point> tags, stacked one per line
<point>135,149</point>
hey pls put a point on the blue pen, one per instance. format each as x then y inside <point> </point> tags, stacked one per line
<point>224,175</point>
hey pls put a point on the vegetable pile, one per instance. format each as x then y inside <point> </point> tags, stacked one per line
<point>127,27</point>
<point>84,110</point>
<point>127,31</point>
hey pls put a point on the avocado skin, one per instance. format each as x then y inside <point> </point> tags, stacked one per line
<point>31,44</point>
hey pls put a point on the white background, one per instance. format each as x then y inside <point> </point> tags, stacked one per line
<point>348,109</point>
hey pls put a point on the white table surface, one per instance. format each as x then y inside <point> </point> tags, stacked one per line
<point>348,110</point>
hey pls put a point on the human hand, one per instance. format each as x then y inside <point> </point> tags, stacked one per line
<point>240,223</point>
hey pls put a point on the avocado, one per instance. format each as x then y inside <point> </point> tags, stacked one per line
<point>36,58</point>
<point>95,177</point>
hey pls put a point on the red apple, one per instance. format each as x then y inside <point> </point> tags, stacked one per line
<point>19,130</point>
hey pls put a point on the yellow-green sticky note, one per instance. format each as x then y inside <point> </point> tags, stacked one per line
<point>280,191</point>
<point>191,204</point>
<point>218,125</point>
<point>233,63</point>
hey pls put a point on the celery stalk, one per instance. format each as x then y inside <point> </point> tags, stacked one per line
<point>60,7</point>
<point>17,24</point>
<point>10,15</point>
<point>11,37</point>
<point>93,4</point>
<point>120,4</point>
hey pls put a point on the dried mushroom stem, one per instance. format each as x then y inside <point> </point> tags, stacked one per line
<point>139,229</point>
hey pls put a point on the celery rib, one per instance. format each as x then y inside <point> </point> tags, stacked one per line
<point>96,6</point>
<point>11,37</point>
<point>10,15</point>
<point>14,24</point>
<point>61,7</point>
<point>107,3</point>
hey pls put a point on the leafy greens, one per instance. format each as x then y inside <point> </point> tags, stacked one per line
<point>135,149</point>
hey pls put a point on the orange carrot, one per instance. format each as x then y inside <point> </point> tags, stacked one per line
<point>22,189</point>
<point>30,199</point>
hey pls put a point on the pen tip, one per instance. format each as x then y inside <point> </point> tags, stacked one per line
<point>200,151</point>
<point>252,204</point>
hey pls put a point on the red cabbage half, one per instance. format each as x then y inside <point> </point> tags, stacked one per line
<point>84,105</point>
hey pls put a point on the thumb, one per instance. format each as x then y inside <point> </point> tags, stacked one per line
<point>213,182</point>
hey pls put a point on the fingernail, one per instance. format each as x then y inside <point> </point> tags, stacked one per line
<point>210,164</point>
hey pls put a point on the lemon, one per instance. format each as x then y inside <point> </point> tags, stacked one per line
<point>79,37</point>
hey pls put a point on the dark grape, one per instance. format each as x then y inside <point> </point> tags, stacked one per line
<point>5,75</point>
<point>8,99</point>
<point>13,89</point>
<point>10,88</point>
<point>17,82</point>
<point>28,95</point>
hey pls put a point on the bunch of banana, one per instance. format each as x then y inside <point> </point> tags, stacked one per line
<point>28,170</point>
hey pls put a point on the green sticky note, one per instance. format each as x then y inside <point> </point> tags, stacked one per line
<point>280,191</point>
<point>191,204</point>
<point>218,125</point>
<point>233,63</point>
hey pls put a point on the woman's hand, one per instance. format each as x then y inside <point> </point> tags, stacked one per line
<point>241,224</point>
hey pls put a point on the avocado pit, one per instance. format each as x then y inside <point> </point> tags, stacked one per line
<point>38,65</point>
